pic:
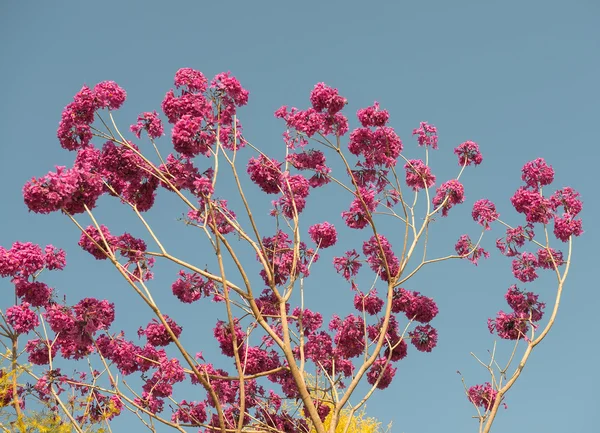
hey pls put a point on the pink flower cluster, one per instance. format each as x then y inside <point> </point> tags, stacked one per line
<point>418,175</point>
<point>324,235</point>
<point>449,194</point>
<point>74,131</point>
<point>526,310</point>
<point>468,153</point>
<point>483,396</point>
<point>530,201</point>
<point>324,117</point>
<point>426,135</point>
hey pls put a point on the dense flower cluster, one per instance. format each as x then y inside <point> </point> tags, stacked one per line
<point>418,175</point>
<point>484,212</point>
<point>324,235</point>
<point>483,396</point>
<point>468,153</point>
<point>449,194</point>
<point>149,122</point>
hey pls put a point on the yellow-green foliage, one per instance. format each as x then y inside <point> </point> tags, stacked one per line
<point>359,423</point>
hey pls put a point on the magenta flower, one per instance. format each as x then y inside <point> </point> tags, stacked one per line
<point>426,135</point>
<point>191,80</point>
<point>483,395</point>
<point>190,287</point>
<point>549,258</point>
<point>381,373</point>
<point>325,98</point>
<point>525,304</point>
<point>465,248</point>
<point>418,175</point>
<point>449,194</point>
<point>109,95</point>
<point>149,122</point>
<point>537,173</point>
<point>368,302</point>
<point>484,212</point>
<point>567,226</point>
<point>509,326</point>
<point>156,333</point>
<point>21,318</point>
<point>424,338</point>
<point>266,173</point>
<point>524,267</point>
<point>324,235</point>
<point>373,116</point>
<point>348,265</point>
<point>468,153</point>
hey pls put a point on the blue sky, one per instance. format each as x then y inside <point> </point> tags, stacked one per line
<point>519,78</point>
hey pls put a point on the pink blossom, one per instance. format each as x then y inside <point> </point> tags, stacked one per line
<point>418,175</point>
<point>51,192</point>
<point>449,194</point>
<point>36,293</point>
<point>190,287</point>
<point>381,373</point>
<point>373,116</point>
<point>567,226</point>
<point>524,267</point>
<point>426,135</point>
<point>537,173</point>
<point>549,258</point>
<point>388,265</point>
<point>311,160</point>
<point>93,242</point>
<point>156,333</point>
<point>484,212</point>
<point>359,214</point>
<point>230,89</point>
<point>525,304</point>
<point>369,302</point>
<point>266,173</point>
<point>509,326</point>
<point>109,95</point>
<point>350,335</point>
<point>465,248</point>
<point>515,238</point>
<point>379,148</point>
<point>424,338</point>
<point>55,258</point>
<point>483,395</point>
<point>348,265</point>
<point>190,139</point>
<point>326,98</point>
<point>39,353</point>
<point>324,235</point>
<point>149,122</point>
<point>468,153</point>
<point>193,413</point>
<point>222,333</point>
<point>22,260</point>
<point>415,306</point>
<point>537,209</point>
<point>568,198</point>
<point>21,318</point>
<point>191,80</point>
<point>311,321</point>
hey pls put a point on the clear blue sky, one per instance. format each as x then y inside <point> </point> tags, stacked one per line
<point>520,78</point>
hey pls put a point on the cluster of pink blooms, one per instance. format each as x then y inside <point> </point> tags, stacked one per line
<point>418,175</point>
<point>448,194</point>
<point>324,234</point>
<point>537,208</point>
<point>203,115</point>
<point>526,310</point>
<point>483,396</point>
<point>426,135</point>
